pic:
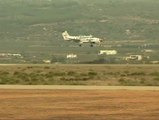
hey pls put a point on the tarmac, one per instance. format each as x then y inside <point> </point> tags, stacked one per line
<point>79,87</point>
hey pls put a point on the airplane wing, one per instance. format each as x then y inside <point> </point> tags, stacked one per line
<point>81,39</point>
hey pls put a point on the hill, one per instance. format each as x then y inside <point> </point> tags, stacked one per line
<point>33,27</point>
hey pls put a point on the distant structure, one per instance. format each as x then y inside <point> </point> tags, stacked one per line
<point>11,55</point>
<point>134,57</point>
<point>128,32</point>
<point>148,51</point>
<point>107,52</point>
<point>154,62</point>
<point>71,56</point>
<point>47,61</point>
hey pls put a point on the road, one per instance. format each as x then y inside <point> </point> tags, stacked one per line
<point>76,87</point>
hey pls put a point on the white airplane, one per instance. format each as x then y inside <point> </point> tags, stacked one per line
<point>82,39</point>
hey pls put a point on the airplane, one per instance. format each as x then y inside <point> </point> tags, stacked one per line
<point>82,39</point>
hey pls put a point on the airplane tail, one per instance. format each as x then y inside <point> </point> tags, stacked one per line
<point>65,35</point>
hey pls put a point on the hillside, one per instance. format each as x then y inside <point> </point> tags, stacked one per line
<point>33,27</point>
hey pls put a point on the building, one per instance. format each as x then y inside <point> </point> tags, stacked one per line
<point>148,51</point>
<point>107,52</point>
<point>154,62</point>
<point>10,55</point>
<point>134,57</point>
<point>71,56</point>
<point>47,61</point>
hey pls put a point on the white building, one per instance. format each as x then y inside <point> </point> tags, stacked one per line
<point>70,56</point>
<point>47,61</point>
<point>10,55</point>
<point>107,52</point>
<point>154,62</point>
<point>134,57</point>
<point>148,51</point>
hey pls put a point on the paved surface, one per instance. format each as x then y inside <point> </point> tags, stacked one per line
<point>76,87</point>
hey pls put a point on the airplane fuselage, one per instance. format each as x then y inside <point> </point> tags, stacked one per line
<point>81,39</point>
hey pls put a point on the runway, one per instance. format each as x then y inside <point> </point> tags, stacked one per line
<point>64,102</point>
<point>78,87</point>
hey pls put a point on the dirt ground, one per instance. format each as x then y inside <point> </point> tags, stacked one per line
<point>79,105</point>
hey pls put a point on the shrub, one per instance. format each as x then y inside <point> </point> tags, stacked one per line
<point>30,67</point>
<point>71,73</point>
<point>137,73</point>
<point>121,80</point>
<point>156,79</point>
<point>155,74</point>
<point>46,67</point>
<point>59,73</point>
<point>91,73</point>
<point>4,73</point>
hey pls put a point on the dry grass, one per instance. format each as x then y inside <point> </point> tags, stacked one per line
<point>134,75</point>
<point>78,105</point>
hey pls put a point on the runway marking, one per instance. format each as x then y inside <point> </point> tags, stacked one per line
<point>78,87</point>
